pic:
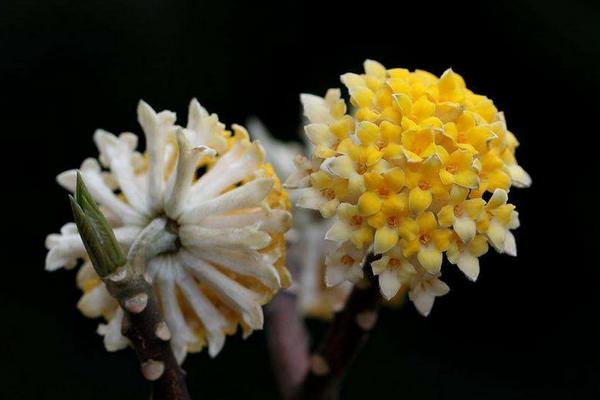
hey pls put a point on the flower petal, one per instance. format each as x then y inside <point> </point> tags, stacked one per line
<point>340,231</point>
<point>66,248</point>
<point>497,233</point>
<point>498,199</point>
<point>247,195</point>
<point>310,198</point>
<point>430,258</point>
<point>389,283</point>
<point>182,334</point>
<point>319,134</point>
<point>243,301</point>
<point>213,321</point>
<point>208,131</point>
<point>341,166</point>
<point>385,239</point>
<point>467,178</point>
<point>272,221</point>
<point>101,192</point>
<point>156,128</point>
<point>117,154</point>
<point>240,162</point>
<point>96,302</point>
<point>520,178</point>
<point>419,200</point>
<point>438,287</point>
<point>422,300</point>
<point>510,244</point>
<point>368,204</point>
<point>180,183</point>
<point>469,265</point>
<point>243,262</point>
<point>465,227</point>
<point>113,339</point>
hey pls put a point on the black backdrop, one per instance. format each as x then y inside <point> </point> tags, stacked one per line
<point>525,330</point>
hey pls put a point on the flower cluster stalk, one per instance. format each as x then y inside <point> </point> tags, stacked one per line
<point>319,376</point>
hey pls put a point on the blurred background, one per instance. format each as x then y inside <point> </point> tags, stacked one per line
<point>526,330</point>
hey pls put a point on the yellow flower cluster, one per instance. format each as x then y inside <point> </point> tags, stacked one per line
<point>419,166</point>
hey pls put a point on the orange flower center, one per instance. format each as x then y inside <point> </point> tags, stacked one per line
<point>424,238</point>
<point>394,262</point>
<point>393,221</point>
<point>425,185</point>
<point>347,260</point>
<point>453,169</point>
<point>458,211</point>
<point>361,168</point>
<point>329,194</point>
<point>356,221</point>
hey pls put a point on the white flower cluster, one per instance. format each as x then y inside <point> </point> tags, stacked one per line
<point>214,189</point>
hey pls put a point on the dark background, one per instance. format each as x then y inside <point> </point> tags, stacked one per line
<point>526,330</point>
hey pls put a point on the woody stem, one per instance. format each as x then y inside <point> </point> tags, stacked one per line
<point>148,334</point>
<point>347,335</point>
<point>287,338</point>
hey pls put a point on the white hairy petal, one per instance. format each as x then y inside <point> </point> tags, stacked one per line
<point>243,262</point>
<point>247,237</point>
<point>66,248</point>
<point>248,195</point>
<point>101,192</point>
<point>213,321</point>
<point>243,301</point>
<point>272,221</point>
<point>96,301</point>
<point>182,335</point>
<point>207,130</point>
<point>180,183</point>
<point>238,163</point>
<point>156,128</point>
<point>118,155</point>
<point>113,338</point>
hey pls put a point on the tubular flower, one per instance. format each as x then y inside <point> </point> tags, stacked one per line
<point>306,248</point>
<point>213,188</point>
<point>415,167</point>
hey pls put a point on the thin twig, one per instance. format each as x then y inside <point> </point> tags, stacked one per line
<point>287,341</point>
<point>287,338</point>
<point>347,335</point>
<point>148,334</point>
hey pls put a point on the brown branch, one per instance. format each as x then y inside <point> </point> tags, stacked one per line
<point>287,341</point>
<point>148,334</point>
<point>125,281</point>
<point>287,338</point>
<point>347,335</point>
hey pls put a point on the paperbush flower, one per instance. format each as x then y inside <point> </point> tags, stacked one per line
<point>417,167</point>
<point>306,248</point>
<point>220,197</point>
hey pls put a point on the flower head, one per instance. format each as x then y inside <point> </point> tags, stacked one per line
<point>416,167</point>
<point>214,190</point>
